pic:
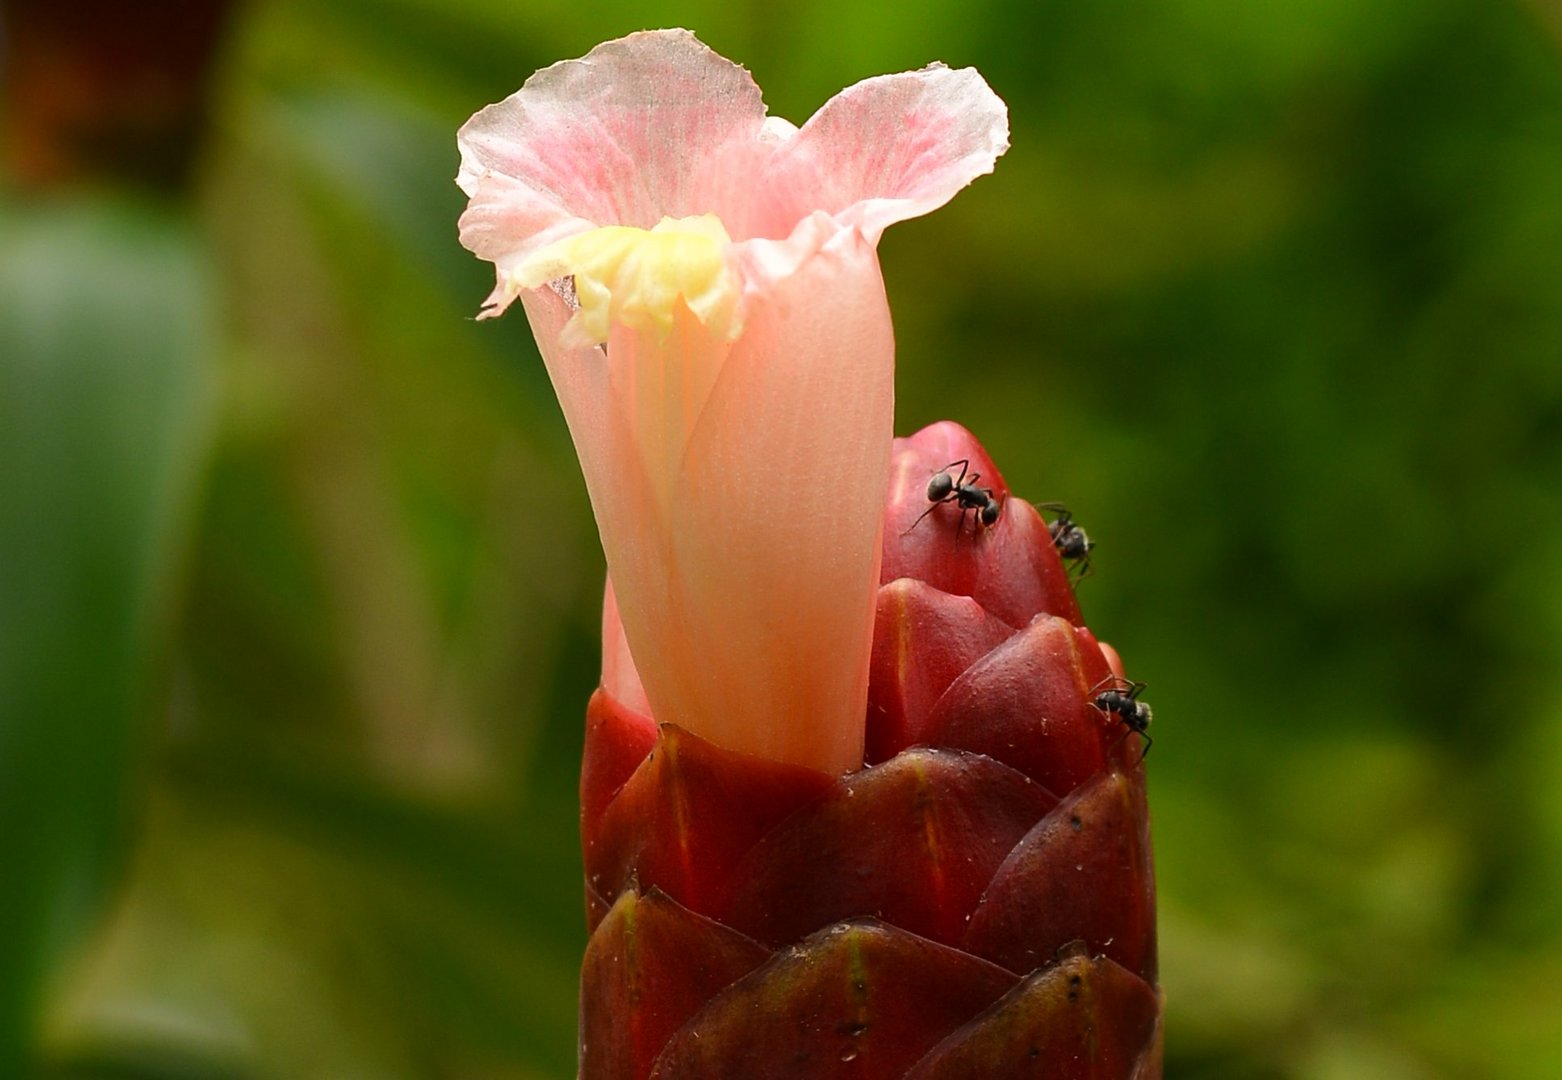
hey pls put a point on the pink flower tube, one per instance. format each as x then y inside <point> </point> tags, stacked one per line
<point>704,288</point>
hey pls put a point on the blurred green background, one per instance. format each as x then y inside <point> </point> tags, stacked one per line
<point>299,586</point>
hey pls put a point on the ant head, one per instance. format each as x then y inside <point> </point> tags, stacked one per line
<point>991,511</point>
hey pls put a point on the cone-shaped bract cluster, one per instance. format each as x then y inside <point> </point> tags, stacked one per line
<point>976,901</point>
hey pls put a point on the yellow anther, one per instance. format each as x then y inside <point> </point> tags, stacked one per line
<point>636,277</point>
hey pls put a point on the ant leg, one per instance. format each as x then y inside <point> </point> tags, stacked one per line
<point>1080,570</point>
<point>1111,682</point>
<point>1145,742</point>
<point>1144,738</point>
<point>964,463</point>
<point>922,515</point>
<point>1063,517</point>
<point>1128,688</point>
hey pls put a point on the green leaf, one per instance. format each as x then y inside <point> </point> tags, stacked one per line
<point>105,335</point>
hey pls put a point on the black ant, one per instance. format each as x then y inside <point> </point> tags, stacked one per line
<point>1069,538</point>
<point>963,492</point>
<point>1124,701</point>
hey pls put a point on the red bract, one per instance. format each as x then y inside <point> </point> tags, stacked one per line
<point>977,901</point>
<point>1010,568</point>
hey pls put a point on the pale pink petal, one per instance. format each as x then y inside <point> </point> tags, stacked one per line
<point>887,149</point>
<point>491,229</point>
<point>649,126</point>
<point>510,209</point>
<point>784,478</point>
<point>630,516</point>
<point>736,507</point>
<point>630,409</point>
<point>619,678</point>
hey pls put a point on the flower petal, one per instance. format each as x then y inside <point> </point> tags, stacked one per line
<point>649,126</point>
<point>734,439</point>
<point>619,677</point>
<point>743,557</point>
<point>887,149</point>
<point>788,467</point>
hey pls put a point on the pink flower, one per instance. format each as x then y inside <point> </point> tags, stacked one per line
<point>703,286</point>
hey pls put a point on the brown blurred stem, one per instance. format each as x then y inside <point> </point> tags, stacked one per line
<point>104,90</point>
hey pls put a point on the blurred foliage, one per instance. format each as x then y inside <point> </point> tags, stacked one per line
<point>299,607</point>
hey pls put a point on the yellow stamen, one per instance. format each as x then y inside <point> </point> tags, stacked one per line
<point>635,277</point>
